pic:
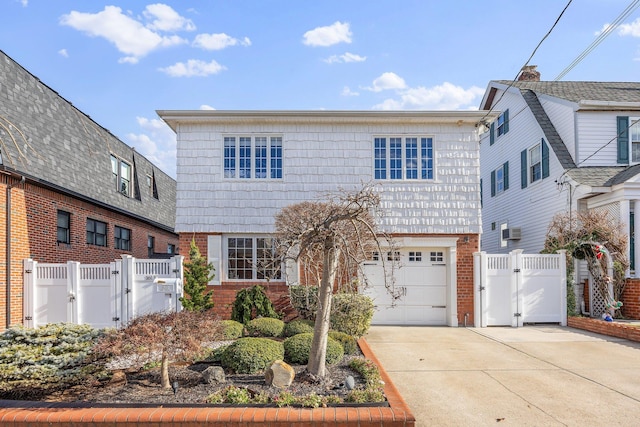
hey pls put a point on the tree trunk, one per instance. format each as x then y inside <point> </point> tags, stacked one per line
<point>164,371</point>
<point>317,355</point>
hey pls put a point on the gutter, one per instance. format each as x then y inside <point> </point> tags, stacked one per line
<point>8,247</point>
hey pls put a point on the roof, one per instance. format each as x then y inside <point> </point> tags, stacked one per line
<point>603,176</point>
<point>582,91</point>
<point>46,139</point>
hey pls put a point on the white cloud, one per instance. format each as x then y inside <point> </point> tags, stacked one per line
<point>346,57</point>
<point>25,3</point>
<point>346,91</point>
<point>64,53</point>
<point>387,81</point>
<point>218,41</point>
<point>128,35</point>
<point>193,67</point>
<point>164,18</point>
<point>605,28</point>
<point>206,107</point>
<point>336,33</point>
<point>446,96</point>
<point>632,29</point>
<point>157,143</point>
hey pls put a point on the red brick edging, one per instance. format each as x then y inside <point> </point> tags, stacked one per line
<point>23,414</point>
<point>613,329</point>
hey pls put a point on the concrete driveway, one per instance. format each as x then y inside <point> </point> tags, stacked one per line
<point>531,376</point>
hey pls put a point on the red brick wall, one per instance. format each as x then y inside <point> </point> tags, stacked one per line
<point>631,299</point>
<point>34,235</point>
<point>613,329</point>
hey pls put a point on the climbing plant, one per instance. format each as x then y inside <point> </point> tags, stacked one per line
<point>252,302</point>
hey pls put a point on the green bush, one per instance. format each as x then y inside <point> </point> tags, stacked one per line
<point>48,358</point>
<point>265,327</point>
<point>296,327</point>
<point>305,300</point>
<point>231,329</point>
<point>252,302</point>
<point>349,343</point>
<point>251,355</point>
<point>351,313</point>
<point>298,347</point>
<point>368,370</point>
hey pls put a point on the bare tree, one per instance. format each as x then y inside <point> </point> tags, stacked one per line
<point>339,234</point>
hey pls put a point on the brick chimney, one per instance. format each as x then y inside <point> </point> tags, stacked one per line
<point>529,74</point>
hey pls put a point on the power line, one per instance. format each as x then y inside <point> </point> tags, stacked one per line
<point>616,23</point>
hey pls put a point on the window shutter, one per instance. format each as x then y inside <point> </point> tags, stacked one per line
<point>545,159</point>
<point>506,121</point>
<point>523,169</point>
<point>480,192</point>
<point>493,183</point>
<point>505,172</point>
<point>623,139</point>
<point>492,136</point>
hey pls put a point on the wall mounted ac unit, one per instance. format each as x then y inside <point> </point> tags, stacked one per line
<point>513,233</point>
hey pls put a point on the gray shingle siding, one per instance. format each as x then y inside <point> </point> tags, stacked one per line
<point>44,137</point>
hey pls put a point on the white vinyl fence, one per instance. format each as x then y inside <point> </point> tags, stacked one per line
<point>516,288</point>
<point>100,295</point>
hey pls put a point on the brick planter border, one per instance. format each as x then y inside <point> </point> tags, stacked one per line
<point>613,329</point>
<point>14,413</point>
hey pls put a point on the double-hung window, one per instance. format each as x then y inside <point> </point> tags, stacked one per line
<point>252,258</point>
<point>96,232</point>
<point>122,238</point>
<point>535,163</point>
<point>121,176</point>
<point>405,158</point>
<point>500,179</point>
<point>634,139</point>
<point>64,227</point>
<point>253,157</point>
<point>499,127</point>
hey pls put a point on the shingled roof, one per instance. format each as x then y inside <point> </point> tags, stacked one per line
<point>582,91</point>
<point>46,139</point>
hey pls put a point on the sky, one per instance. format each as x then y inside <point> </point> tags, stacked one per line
<point>121,61</point>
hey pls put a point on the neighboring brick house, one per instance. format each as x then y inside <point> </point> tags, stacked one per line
<point>73,190</point>
<point>237,169</point>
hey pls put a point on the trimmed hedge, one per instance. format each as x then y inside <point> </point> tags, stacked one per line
<point>349,343</point>
<point>251,355</point>
<point>231,329</point>
<point>298,347</point>
<point>265,327</point>
<point>351,313</point>
<point>296,327</point>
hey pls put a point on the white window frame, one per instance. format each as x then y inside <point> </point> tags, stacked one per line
<point>235,167</point>
<point>499,173</point>
<point>118,169</point>
<point>531,164</point>
<point>634,137</point>
<point>424,164</point>
<point>500,125</point>
<point>256,274</point>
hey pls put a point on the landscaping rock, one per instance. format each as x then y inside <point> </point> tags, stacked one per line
<point>214,374</point>
<point>279,374</point>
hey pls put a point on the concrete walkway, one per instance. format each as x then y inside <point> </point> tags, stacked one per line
<point>531,376</point>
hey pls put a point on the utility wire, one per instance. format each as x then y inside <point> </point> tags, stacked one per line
<point>610,28</point>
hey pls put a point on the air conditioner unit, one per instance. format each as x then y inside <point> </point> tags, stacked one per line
<point>511,233</point>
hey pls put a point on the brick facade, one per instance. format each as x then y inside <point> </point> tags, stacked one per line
<point>34,235</point>
<point>631,299</point>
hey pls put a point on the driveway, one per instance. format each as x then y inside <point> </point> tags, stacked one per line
<point>531,376</point>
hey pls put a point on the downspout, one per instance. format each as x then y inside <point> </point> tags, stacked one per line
<point>8,248</point>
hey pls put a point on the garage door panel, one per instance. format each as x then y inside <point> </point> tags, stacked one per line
<point>425,275</point>
<point>425,316</point>
<point>388,315</point>
<point>426,296</point>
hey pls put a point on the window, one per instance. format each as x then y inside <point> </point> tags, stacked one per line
<point>122,238</point>
<point>96,232</point>
<point>152,190</point>
<point>415,256</point>
<point>634,137</point>
<point>535,163</point>
<point>393,256</point>
<point>151,243</point>
<point>403,158</point>
<point>499,127</point>
<point>258,157</point>
<point>252,258</point>
<point>500,179</point>
<point>171,249</point>
<point>436,256</point>
<point>121,176</point>
<point>64,227</point>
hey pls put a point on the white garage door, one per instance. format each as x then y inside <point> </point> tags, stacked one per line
<point>422,279</point>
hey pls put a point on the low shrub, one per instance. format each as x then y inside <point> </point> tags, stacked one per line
<point>349,343</point>
<point>230,394</point>
<point>351,313</point>
<point>305,300</point>
<point>48,358</point>
<point>296,327</point>
<point>298,347</point>
<point>251,355</point>
<point>252,302</point>
<point>265,327</point>
<point>231,329</point>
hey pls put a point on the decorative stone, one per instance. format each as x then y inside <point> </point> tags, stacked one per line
<point>350,383</point>
<point>279,374</point>
<point>214,374</point>
<point>118,378</point>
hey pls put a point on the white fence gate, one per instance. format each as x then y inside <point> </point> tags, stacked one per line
<point>100,295</point>
<point>514,289</point>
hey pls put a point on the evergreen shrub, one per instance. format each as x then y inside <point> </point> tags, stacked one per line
<point>298,347</point>
<point>265,327</point>
<point>251,355</point>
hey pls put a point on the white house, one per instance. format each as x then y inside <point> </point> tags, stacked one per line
<point>237,169</point>
<point>558,146</point>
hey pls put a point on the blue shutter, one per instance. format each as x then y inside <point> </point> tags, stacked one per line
<point>545,159</point>
<point>480,192</point>
<point>493,183</point>
<point>523,169</point>
<point>492,134</point>
<point>506,121</point>
<point>505,174</point>
<point>623,139</point>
